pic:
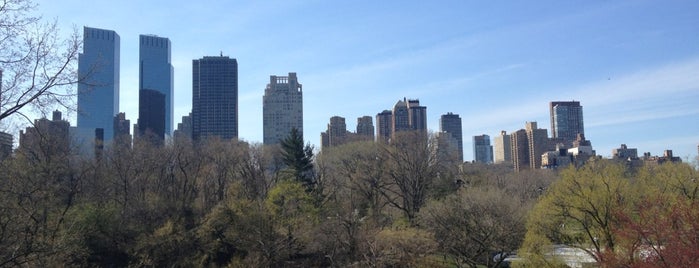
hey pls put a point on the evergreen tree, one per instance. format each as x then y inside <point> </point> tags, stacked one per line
<point>298,158</point>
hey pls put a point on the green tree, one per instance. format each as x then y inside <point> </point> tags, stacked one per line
<point>298,158</point>
<point>579,211</point>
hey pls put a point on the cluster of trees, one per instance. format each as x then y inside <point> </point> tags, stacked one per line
<point>219,203</point>
<point>620,217</point>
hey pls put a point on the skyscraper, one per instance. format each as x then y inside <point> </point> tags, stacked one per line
<point>98,72</point>
<point>151,115</point>
<point>503,149</point>
<point>520,150</point>
<point>365,128</point>
<point>482,150</point>
<point>156,72</point>
<point>408,115</point>
<point>384,126</point>
<point>5,145</point>
<point>451,123</point>
<point>566,120</point>
<point>282,108</point>
<point>122,129</point>
<point>538,140</point>
<point>215,98</point>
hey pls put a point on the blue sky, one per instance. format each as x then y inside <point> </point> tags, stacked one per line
<point>633,65</point>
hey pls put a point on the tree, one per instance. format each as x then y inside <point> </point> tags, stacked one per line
<point>299,159</point>
<point>38,67</point>
<point>578,211</point>
<point>413,167</point>
<point>476,222</point>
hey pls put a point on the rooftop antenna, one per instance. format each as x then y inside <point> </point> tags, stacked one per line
<point>221,53</point>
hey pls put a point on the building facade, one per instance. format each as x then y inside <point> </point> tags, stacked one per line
<point>122,129</point>
<point>98,74</point>
<point>47,138</point>
<point>451,123</point>
<point>151,115</point>
<point>482,150</point>
<point>156,72</point>
<point>6,142</point>
<point>282,108</point>
<point>215,98</point>
<point>502,147</point>
<point>539,143</point>
<point>566,121</point>
<point>384,126</point>
<point>520,150</point>
<point>365,128</point>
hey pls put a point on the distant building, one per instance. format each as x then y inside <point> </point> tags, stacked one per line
<point>122,129</point>
<point>625,153</point>
<point>282,108</point>
<point>384,126</point>
<point>561,157</point>
<point>98,89</point>
<point>6,141</point>
<point>408,115</point>
<point>520,150</point>
<point>184,128</point>
<point>156,73</point>
<point>528,145</point>
<point>447,148</point>
<point>482,150</point>
<point>365,128</point>
<point>539,143</point>
<point>659,160</point>
<point>503,148</point>
<point>337,132</point>
<point>566,120</point>
<point>451,123</point>
<point>151,116</point>
<point>47,138</point>
<point>215,98</point>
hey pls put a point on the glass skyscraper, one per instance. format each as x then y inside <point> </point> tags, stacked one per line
<point>566,120</point>
<point>215,98</point>
<point>98,72</point>
<point>156,73</point>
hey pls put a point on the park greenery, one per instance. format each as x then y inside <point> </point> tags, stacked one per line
<point>230,203</point>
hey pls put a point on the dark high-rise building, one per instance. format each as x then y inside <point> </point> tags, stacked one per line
<point>151,115</point>
<point>282,108</point>
<point>482,150</point>
<point>122,129</point>
<point>184,128</point>
<point>215,98</point>
<point>384,126</point>
<point>566,120</point>
<point>5,145</point>
<point>365,128</point>
<point>156,72</point>
<point>336,133</point>
<point>418,115</point>
<point>401,117</point>
<point>451,123</point>
<point>98,89</point>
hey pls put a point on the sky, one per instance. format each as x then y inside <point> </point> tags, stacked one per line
<point>633,65</point>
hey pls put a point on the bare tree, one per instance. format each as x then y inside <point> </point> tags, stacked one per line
<point>37,65</point>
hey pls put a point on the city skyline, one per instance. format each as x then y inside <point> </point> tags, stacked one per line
<point>496,65</point>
